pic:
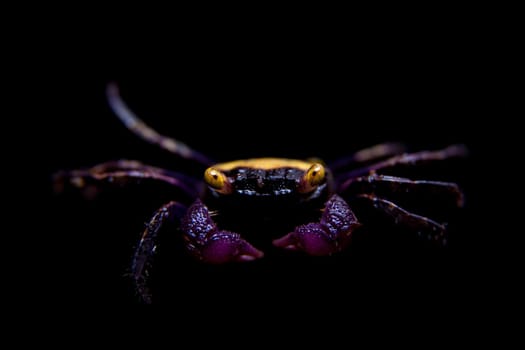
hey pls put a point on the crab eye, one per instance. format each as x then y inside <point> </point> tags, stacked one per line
<point>217,180</point>
<point>312,178</point>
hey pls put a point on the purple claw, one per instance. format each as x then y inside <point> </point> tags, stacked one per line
<point>225,246</point>
<point>206,242</point>
<point>328,236</point>
<point>310,238</point>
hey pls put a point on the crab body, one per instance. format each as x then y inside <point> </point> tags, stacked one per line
<point>264,191</point>
<point>301,205</point>
<point>267,190</point>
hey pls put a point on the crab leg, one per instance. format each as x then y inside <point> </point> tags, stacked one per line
<point>137,126</point>
<point>148,244</point>
<point>122,172</point>
<point>375,183</point>
<point>375,152</point>
<point>424,226</point>
<point>417,158</point>
<point>126,164</point>
<point>331,234</point>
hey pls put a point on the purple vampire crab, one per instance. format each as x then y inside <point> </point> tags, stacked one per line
<point>313,196</point>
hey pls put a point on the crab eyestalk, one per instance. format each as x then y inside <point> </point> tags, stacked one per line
<point>217,180</point>
<point>312,178</point>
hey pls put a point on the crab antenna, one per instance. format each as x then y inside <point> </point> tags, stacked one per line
<point>137,126</point>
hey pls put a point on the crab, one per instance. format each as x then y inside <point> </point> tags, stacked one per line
<point>215,216</point>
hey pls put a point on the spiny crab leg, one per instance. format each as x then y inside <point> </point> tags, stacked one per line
<point>369,154</point>
<point>121,173</point>
<point>375,184</point>
<point>141,129</point>
<point>411,159</point>
<point>424,226</point>
<point>140,267</point>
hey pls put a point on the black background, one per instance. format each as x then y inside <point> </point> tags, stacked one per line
<point>259,94</point>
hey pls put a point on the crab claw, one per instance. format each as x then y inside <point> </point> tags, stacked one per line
<point>331,234</point>
<point>310,238</point>
<point>210,244</point>
<point>225,246</point>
